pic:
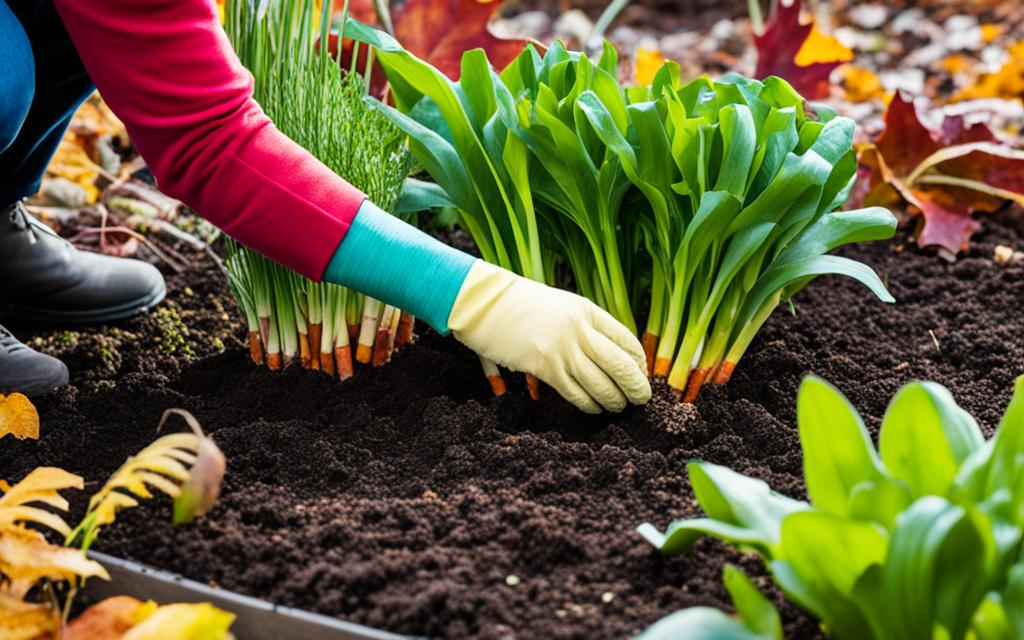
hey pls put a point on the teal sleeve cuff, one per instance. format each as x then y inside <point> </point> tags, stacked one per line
<point>395,262</point>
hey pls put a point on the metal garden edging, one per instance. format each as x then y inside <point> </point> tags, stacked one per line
<point>256,619</point>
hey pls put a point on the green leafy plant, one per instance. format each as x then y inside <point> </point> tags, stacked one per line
<point>709,202</point>
<point>756,619</point>
<point>320,106</point>
<point>918,539</point>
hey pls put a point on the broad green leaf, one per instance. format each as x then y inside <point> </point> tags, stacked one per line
<point>702,623</point>
<point>826,557</point>
<point>934,576</point>
<point>781,275</point>
<point>756,611</point>
<point>419,195</point>
<point>838,453</point>
<point>1000,463</point>
<point>880,501</point>
<point>739,137</point>
<point>925,437</point>
<point>991,621</point>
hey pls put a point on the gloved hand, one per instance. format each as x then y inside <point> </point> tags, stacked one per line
<point>562,338</point>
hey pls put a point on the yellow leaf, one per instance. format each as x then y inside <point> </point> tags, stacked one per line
<point>990,32</point>
<point>822,47</point>
<point>183,622</point>
<point>18,417</point>
<point>648,61</point>
<point>861,84</point>
<point>41,485</point>
<point>956,63</point>
<point>163,465</point>
<point>26,620</point>
<point>1008,82</point>
<point>27,558</point>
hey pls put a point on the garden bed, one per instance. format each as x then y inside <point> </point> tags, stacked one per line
<point>409,499</point>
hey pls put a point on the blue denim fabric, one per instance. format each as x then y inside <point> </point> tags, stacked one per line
<point>42,82</point>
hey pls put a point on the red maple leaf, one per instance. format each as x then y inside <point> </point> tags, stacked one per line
<point>439,32</point>
<point>947,174</point>
<point>777,50</point>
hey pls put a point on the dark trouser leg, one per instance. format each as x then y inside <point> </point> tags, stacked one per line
<point>38,67</point>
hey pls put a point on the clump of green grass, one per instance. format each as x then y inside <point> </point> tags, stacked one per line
<point>320,106</point>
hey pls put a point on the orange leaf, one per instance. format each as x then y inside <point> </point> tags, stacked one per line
<point>821,47</point>
<point>108,619</point>
<point>18,417</point>
<point>648,61</point>
<point>1008,82</point>
<point>990,32</point>
<point>780,52</point>
<point>861,84</point>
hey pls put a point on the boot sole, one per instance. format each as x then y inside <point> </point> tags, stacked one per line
<point>15,313</point>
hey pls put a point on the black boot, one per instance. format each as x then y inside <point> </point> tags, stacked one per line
<point>45,279</point>
<point>28,371</point>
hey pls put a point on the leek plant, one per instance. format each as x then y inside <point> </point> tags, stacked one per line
<point>320,106</point>
<point>707,204</point>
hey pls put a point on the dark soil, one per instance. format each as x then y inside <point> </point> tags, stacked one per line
<point>410,499</point>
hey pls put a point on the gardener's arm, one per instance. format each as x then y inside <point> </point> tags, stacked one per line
<point>166,69</point>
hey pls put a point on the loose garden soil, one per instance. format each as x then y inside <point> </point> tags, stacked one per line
<point>410,499</point>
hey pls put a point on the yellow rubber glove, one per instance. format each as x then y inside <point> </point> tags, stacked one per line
<point>562,338</point>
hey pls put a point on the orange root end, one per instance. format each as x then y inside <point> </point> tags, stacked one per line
<point>676,393</point>
<point>304,355</point>
<point>381,352</point>
<point>315,334</point>
<point>364,353</point>
<point>533,386</point>
<point>327,362</point>
<point>343,359</point>
<point>405,330</point>
<point>724,372</point>
<point>649,341</point>
<point>255,347</point>
<point>696,381</point>
<point>662,367</point>
<point>288,360</point>
<point>274,361</point>
<point>497,384</point>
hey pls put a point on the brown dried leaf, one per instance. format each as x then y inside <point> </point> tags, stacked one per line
<point>946,174</point>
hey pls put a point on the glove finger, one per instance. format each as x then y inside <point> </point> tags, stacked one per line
<point>620,335</point>
<point>619,366</point>
<point>598,385</point>
<point>571,390</point>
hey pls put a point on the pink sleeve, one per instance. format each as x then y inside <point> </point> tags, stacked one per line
<point>166,69</point>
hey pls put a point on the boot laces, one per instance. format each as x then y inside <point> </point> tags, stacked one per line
<point>22,220</point>
<point>7,341</point>
<point>18,216</point>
